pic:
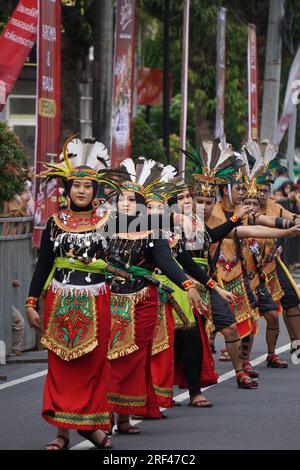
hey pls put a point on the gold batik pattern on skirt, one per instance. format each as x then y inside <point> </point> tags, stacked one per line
<point>122,338</point>
<point>161,338</point>
<point>274,285</point>
<point>242,309</point>
<point>72,327</point>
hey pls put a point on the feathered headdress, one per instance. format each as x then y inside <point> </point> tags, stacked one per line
<point>214,164</point>
<point>87,159</point>
<point>263,160</point>
<point>149,178</point>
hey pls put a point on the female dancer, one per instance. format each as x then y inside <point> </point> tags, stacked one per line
<point>70,272</point>
<point>134,307</point>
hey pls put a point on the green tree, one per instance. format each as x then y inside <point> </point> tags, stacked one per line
<point>202,57</point>
<point>12,164</point>
<point>145,142</point>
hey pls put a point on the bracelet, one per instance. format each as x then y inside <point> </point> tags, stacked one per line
<point>31,302</point>
<point>188,284</point>
<point>234,218</point>
<point>291,223</point>
<point>211,284</point>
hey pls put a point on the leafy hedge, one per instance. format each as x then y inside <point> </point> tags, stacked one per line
<point>12,164</point>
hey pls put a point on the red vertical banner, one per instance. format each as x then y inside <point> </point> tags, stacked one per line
<point>221,72</point>
<point>252,84</point>
<point>16,42</point>
<point>48,111</point>
<point>123,82</point>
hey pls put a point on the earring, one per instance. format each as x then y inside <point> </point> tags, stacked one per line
<point>95,203</point>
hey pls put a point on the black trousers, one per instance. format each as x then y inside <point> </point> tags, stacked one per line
<point>188,351</point>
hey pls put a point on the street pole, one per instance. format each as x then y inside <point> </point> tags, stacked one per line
<point>272,72</point>
<point>166,82</point>
<point>184,86</point>
<point>291,143</point>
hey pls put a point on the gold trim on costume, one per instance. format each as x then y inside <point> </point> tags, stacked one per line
<point>75,222</point>
<point>126,400</point>
<point>161,338</point>
<point>78,419</point>
<point>122,339</point>
<point>72,326</point>
<point>134,235</point>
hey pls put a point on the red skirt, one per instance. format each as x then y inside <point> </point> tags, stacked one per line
<point>75,391</point>
<point>130,382</point>
<point>208,375</point>
<point>162,366</point>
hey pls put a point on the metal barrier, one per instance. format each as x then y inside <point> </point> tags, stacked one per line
<point>291,246</point>
<point>16,258</point>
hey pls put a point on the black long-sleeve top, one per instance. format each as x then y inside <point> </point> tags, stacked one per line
<point>50,248</point>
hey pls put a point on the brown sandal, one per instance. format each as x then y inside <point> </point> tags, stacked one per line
<point>56,445</point>
<point>276,362</point>
<point>126,428</point>
<point>198,403</point>
<point>104,444</point>
<point>224,356</point>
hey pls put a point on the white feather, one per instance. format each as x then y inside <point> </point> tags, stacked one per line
<point>225,152</point>
<point>75,147</point>
<point>168,173</point>
<point>129,165</point>
<point>208,146</point>
<point>97,151</point>
<point>243,156</point>
<point>146,171</point>
<point>271,151</point>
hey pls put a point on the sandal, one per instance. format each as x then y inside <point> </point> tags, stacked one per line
<point>244,381</point>
<point>224,356</point>
<point>126,428</point>
<point>196,402</point>
<point>56,446</point>
<point>104,444</point>
<point>249,370</point>
<point>276,362</point>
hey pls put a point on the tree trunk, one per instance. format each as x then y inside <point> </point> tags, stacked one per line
<point>204,127</point>
<point>71,65</point>
<point>102,69</point>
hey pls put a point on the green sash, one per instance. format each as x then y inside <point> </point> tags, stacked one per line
<point>97,267</point>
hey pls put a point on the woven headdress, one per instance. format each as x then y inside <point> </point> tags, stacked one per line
<point>214,164</point>
<point>263,160</point>
<point>149,178</point>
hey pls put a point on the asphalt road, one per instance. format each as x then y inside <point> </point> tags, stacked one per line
<point>267,418</point>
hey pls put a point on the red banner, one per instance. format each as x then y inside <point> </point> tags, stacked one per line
<point>48,111</point>
<point>123,81</point>
<point>16,42</point>
<point>221,72</point>
<point>252,83</point>
<point>150,86</point>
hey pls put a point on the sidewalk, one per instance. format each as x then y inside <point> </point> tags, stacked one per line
<point>28,357</point>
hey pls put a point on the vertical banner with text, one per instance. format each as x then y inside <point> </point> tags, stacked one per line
<point>123,82</point>
<point>252,84</point>
<point>291,98</point>
<point>16,42</point>
<point>48,111</point>
<point>221,72</point>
